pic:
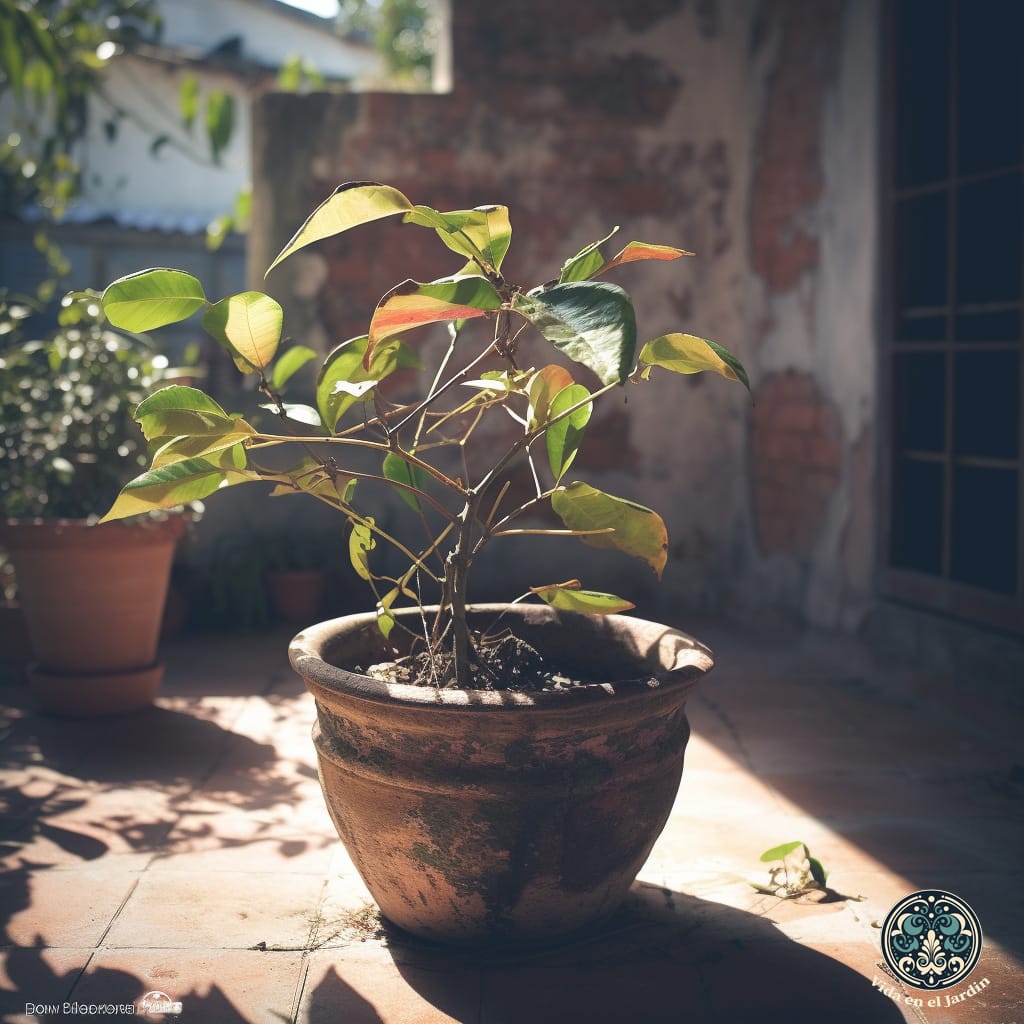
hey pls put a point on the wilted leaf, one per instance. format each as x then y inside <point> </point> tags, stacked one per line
<point>360,543</point>
<point>592,322</point>
<point>636,530</point>
<point>152,298</point>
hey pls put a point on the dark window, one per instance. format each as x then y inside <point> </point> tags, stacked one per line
<point>954,365</point>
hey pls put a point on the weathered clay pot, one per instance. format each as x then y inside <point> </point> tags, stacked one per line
<point>478,816</point>
<point>93,597</point>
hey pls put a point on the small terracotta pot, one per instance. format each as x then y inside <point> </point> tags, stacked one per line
<point>296,594</point>
<point>494,817</point>
<point>93,596</point>
<point>101,693</point>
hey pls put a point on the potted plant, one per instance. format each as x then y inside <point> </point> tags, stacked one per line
<point>498,773</point>
<point>296,573</point>
<point>92,596</point>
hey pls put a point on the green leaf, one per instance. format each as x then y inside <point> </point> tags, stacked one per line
<point>249,326</point>
<point>174,484</point>
<point>637,530</point>
<point>818,872</point>
<point>592,322</point>
<point>779,852</point>
<point>642,251</point>
<point>400,471</point>
<point>219,121</point>
<point>413,304</point>
<point>543,386</point>
<point>360,543</point>
<point>177,397</point>
<point>686,353</point>
<point>294,359</point>
<point>152,298</point>
<point>385,620</point>
<point>201,444</point>
<point>569,597</point>
<point>482,234</point>
<point>586,262</point>
<point>344,366</point>
<point>563,438</point>
<point>188,100</point>
<point>357,202</point>
<point>178,411</point>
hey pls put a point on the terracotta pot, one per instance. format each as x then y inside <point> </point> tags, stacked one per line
<point>477,816</point>
<point>15,650</point>
<point>99,693</point>
<point>296,594</point>
<point>93,595</point>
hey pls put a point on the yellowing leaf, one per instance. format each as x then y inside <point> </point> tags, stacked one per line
<point>571,597</point>
<point>249,326</point>
<point>636,530</point>
<point>360,543</point>
<point>357,202</point>
<point>686,353</point>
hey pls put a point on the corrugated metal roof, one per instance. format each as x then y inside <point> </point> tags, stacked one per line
<point>189,222</point>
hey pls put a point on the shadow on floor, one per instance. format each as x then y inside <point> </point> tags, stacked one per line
<point>664,957</point>
<point>167,750</point>
<point>39,981</point>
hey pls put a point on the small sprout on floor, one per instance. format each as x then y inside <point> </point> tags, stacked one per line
<point>797,873</point>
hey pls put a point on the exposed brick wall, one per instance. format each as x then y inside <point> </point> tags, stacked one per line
<point>693,123</point>
<point>796,460</point>
<point>788,180</point>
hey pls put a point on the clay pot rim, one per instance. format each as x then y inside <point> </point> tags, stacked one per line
<point>40,532</point>
<point>689,660</point>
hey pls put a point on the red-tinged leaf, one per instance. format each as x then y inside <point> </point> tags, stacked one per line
<point>413,304</point>
<point>642,251</point>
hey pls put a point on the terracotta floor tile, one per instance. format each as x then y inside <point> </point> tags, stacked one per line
<point>387,993</point>
<point>233,840</point>
<point>213,986</point>
<point>211,803</point>
<point>63,908</point>
<point>223,910</point>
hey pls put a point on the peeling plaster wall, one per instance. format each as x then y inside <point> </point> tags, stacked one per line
<point>744,131</point>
